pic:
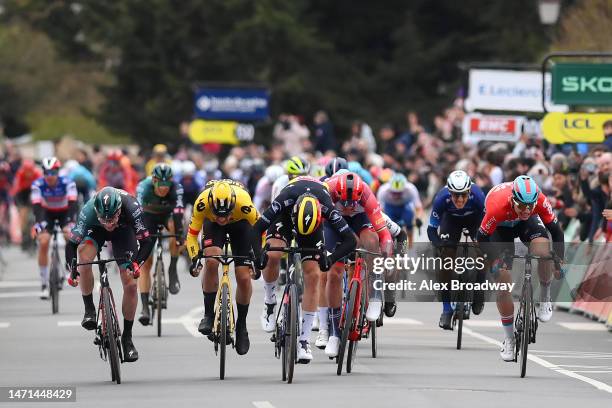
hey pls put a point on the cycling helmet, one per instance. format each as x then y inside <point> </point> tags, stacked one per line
<point>273,172</point>
<point>349,188</point>
<point>398,183</point>
<point>525,190</point>
<point>222,199</point>
<point>162,172</point>
<point>114,155</point>
<point>458,182</point>
<point>107,203</point>
<point>189,168</point>
<point>51,164</point>
<point>335,164</point>
<point>306,214</point>
<point>297,166</point>
<point>385,175</point>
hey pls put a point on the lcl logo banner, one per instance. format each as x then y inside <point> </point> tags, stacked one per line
<point>574,127</point>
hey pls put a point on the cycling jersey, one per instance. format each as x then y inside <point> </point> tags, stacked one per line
<point>278,185</point>
<point>243,210</point>
<point>368,205</point>
<point>152,203</point>
<point>192,187</point>
<point>500,213</point>
<point>46,199</point>
<point>282,206</point>
<point>263,193</point>
<point>131,218</point>
<point>84,180</point>
<point>410,195</point>
<point>23,180</point>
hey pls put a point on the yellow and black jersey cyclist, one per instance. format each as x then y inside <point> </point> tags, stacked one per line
<point>223,208</point>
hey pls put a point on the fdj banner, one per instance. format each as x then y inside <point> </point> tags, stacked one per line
<point>208,131</point>
<point>574,127</point>
<point>232,104</point>
<point>582,84</point>
<point>508,90</point>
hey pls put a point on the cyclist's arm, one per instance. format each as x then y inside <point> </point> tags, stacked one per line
<point>179,209</point>
<point>548,217</point>
<point>276,208</point>
<point>36,199</point>
<point>76,236</point>
<point>372,210</point>
<point>437,211</point>
<point>348,239</point>
<point>135,213</point>
<point>73,204</point>
<point>416,198</point>
<point>195,225</point>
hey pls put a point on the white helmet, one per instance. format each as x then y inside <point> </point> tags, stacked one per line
<point>273,172</point>
<point>458,182</point>
<point>189,168</point>
<point>51,163</point>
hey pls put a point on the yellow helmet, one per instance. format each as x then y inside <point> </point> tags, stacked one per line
<point>306,214</point>
<point>222,199</point>
<point>297,166</point>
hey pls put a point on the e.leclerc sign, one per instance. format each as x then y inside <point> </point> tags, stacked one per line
<point>232,104</point>
<point>582,84</point>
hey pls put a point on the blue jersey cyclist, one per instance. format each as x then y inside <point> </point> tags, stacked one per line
<point>457,206</point>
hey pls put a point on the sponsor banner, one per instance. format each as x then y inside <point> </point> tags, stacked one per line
<point>574,127</point>
<point>582,84</point>
<point>232,104</point>
<point>209,131</point>
<point>508,90</point>
<point>478,128</point>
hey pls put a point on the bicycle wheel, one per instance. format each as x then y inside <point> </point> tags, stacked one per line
<point>292,337</point>
<point>525,336</point>
<point>354,344</point>
<point>281,337</point>
<point>54,282</point>
<point>374,339</point>
<point>348,325</point>
<point>159,292</point>
<point>223,328</point>
<point>111,336</point>
<point>459,312</point>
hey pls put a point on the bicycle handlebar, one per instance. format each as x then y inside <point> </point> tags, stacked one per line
<point>294,250</point>
<point>102,261</point>
<point>161,236</point>
<point>366,252</point>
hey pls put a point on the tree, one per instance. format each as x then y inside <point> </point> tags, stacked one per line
<point>585,27</point>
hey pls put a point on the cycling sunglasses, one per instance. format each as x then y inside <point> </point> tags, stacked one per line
<point>51,172</point>
<point>522,206</point>
<point>459,195</point>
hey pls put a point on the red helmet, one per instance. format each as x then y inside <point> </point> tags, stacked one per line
<point>349,188</point>
<point>28,165</point>
<point>114,155</point>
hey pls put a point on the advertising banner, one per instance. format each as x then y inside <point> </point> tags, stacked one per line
<point>477,128</point>
<point>582,84</point>
<point>574,127</point>
<point>223,132</point>
<point>508,90</point>
<point>232,104</point>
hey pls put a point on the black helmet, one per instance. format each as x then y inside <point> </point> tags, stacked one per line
<point>162,172</point>
<point>335,164</point>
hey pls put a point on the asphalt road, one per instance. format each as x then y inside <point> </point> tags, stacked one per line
<point>418,365</point>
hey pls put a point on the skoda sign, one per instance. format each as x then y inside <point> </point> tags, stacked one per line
<point>232,104</point>
<point>582,84</point>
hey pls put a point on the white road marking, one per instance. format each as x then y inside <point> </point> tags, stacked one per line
<point>32,294</point>
<point>191,319</point>
<point>483,323</point>
<point>597,372</point>
<point>263,404</point>
<point>19,284</point>
<point>597,384</point>
<point>402,320</point>
<point>584,326</point>
<point>4,325</point>
<point>70,323</point>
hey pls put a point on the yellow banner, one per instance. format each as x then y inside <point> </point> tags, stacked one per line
<point>212,131</point>
<point>560,127</point>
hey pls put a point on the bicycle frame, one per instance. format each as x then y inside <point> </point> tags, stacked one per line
<point>225,282</point>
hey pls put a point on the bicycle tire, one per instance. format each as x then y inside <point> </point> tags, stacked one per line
<point>354,344</point>
<point>525,336</point>
<point>459,312</point>
<point>348,323</point>
<point>293,331</point>
<point>374,339</point>
<point>159,271</point>
<point>223,327</point>
<point>111,337</point>
<point>282,339</point>
<point>54,282</point>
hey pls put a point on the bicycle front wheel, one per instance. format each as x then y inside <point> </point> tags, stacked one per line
<point>111,336</point>
<point>459,313</point>
<point>354,344</point>
<point>54,282</point>
<point>291,337</point>
<point>159,293</point>
<point>526,334</point>
<point>224,329</point>
<point>348,326</point>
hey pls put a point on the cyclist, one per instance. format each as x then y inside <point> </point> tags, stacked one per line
<point>192,185</point>
<point>223,208</point>
<point>117,172</point>
<point>519,209</point>
<point>161,199</point>
<point>263,190</point>
<point>297,212</point>
<point>398,197</point>
<point>21,191</point>
<point>53,198</point>
<point>5,186</point>
<point>82,177</point>
<point>160,155</point>
<point>295,166</point>
<point>357,168</point>
<point>357,204</point>
<point>458,205</point>
<point>111,215</point>
<point>334,165</point>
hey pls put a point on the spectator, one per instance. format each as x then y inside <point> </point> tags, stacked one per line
<point>608,134</point>
<point>291,133</point>
<point>325,140</point>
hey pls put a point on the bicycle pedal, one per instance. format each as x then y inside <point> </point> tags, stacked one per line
<point>304,361</point>
<point>97,341</point>
<point>273,338</point>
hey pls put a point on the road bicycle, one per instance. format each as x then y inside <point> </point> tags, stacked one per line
<point>159,300</point>
<point>353,323</point>
<point>55,270</point>
<point>285,337</point>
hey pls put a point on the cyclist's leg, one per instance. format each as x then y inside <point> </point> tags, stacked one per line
<point>144,280</point>
<point>535,236</point>
<point>450,232</point>
<point>174,283</point>
<point>43,238</point>
<point>330,338</point>
<point>240,247</point>
<point>87,251</point>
